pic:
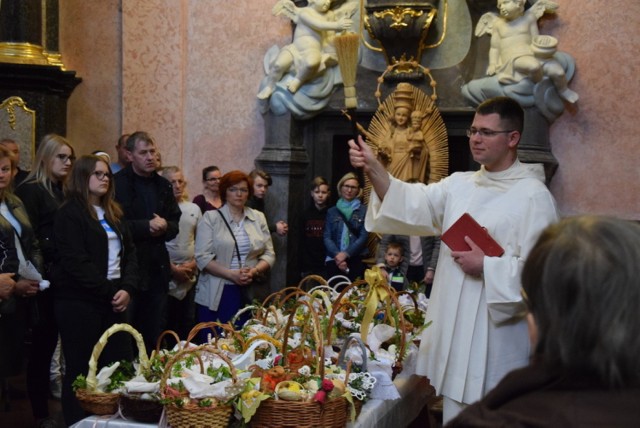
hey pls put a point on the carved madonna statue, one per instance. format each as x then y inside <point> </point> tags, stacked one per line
<point>410,136</point>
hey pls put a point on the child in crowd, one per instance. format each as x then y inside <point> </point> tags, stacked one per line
<point>261,183</point>
<point>313,220</point>
<point>393,258</point>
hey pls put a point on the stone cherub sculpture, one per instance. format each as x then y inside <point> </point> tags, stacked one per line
<point>311,51</point>
<point>520,58</point>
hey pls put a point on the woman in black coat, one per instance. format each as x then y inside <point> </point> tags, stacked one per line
<point>95,275</point>
<point>17,244</point>
<point>41,193</point>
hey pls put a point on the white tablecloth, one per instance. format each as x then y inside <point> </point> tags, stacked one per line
<point>414,391</point>
<point>108,422</point>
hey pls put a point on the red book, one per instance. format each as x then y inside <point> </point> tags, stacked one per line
<point>467,226</point>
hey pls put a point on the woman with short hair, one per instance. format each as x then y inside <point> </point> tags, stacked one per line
<point>345,237</point>
<point>233,250</point>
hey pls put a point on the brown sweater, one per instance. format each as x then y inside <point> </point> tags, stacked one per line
<point>536,396</point>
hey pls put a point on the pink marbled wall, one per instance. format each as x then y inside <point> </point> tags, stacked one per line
<point>596,143</point>
<point>226,46</point>
<point>153,72</point>
<point>189,71</point>
<point>91,47</point>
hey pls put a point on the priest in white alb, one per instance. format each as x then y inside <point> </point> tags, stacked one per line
<point>479,332</point>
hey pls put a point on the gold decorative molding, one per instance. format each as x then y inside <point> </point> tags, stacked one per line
<point>28,53</point>
<point>55,59</point>
<point>22,53</point>
<point>398,14</point>
<point>401,32</point>
<point>18,122</point>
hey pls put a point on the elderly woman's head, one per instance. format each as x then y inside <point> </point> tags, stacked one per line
<point>235,183</point>
<point>581,282</point>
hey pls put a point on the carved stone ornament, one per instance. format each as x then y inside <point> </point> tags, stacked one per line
<point>18,123</point>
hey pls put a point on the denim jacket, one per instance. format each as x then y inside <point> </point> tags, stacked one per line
<point>333,232</point>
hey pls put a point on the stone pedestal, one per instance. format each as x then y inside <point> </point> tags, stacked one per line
<point>45,89</point>
<point>534,145</point>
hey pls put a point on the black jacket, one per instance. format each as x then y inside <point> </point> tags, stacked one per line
<point>83,249</point>
<point>13,311</point>
<point>8,254</point>
<point>41,207</point>
<point>153,258</point>
<point>28,240</point>
<point>544,397</point>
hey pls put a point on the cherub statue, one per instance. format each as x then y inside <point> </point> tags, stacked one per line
<point>517,49</point>
<point>311,50</point>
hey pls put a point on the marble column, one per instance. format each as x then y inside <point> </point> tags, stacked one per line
<point>30,65</point>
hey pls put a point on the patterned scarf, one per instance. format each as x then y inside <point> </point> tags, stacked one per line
<point>346,208</point>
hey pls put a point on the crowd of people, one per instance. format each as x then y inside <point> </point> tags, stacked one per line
<point>551,320</point>
<point>130,247</point>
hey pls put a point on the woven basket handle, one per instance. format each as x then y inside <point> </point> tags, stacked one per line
<point>92,381</point>
<point>161,338</point>
<point>308,278</point>
<point>197,351</point>
<point>275,298</point>
<point>315,324</point>
<point>213,326</point>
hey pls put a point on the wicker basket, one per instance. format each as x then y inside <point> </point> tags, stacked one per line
<point>98,403</point>
<point>190,415</point>
<point>139,409</point>
<point>101,403</point>
<point>362,288</point>
<point>302,414</point>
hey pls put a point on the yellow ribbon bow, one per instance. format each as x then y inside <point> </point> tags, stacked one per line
<point>378,292</point>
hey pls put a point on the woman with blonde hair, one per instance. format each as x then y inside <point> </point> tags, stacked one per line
<point>41,192</point>
<point>95,275</point>
<point>345,237</point>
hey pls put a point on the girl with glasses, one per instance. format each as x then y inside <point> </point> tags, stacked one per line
<point>95,275</point>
